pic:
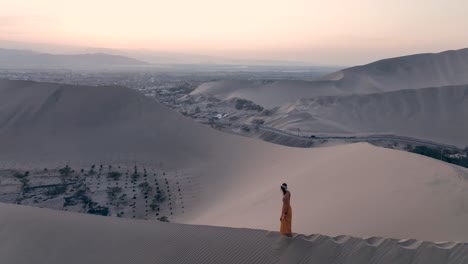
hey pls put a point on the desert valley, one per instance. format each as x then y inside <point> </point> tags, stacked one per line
<point>325,132</point>
<point>113,151</point>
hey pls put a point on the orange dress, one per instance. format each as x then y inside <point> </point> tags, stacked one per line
<point>286,222</point>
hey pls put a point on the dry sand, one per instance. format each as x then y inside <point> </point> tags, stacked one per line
<point>435,114</point>
<point>354,189</point>
<point>33,235</point>
<point>267,95</point>
<point>409,72</point>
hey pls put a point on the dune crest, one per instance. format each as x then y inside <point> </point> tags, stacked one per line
<point>409,72</point>
<point>354,189</point>
<point>23,231</point>
<point>426,113</point>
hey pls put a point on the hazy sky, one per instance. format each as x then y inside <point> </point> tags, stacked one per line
<point>324,32</point>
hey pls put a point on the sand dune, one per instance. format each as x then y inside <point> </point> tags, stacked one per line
<point>430,113</point>
<point>74,238</point>
<point>355,189</point>
<point>87,122</point>
<point>409,72</point>
<point>266,94</point>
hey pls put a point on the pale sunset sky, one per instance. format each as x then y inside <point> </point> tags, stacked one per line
<point>315,31</point>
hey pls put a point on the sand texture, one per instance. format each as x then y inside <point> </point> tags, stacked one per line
<point>346,193</point>
<point>409,72</point>
<point>33,235</point>
<point>435,114</point>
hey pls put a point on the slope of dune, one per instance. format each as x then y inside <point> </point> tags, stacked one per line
<point>353,189</point>
<point>267,94</point>
<point>409,72</point>
<point>71,238</point>
<point>41,119</point>
<point>435,114</point>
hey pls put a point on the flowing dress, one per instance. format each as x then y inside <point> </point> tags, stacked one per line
<point>286,222</point>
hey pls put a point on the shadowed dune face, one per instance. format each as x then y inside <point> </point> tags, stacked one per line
<point>268,95</point>
<point>410,72</point>
<point>350,189</point>
<point>73,238</point>
<point>42,118</point>
<point>435,114</point>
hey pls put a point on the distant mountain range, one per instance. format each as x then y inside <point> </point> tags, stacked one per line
<point>154,56</point>
<point>11,58</point>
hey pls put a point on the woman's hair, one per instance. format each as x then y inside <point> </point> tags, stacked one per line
<point>284,187</point>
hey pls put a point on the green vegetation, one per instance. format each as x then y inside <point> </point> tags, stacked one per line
<point>258,121</point>
<point>25,184</point>
<point>122,200</point>
<point>20,175</point>
<point>114,175</point>
<point>267,112</point>
<point>79,197</point>
<point>163,219</point>
<point>145,187</point>
<point>65,171</point>
<point>154,206</point>
<point>243,104</point>
<point>57,190</point>
<point>135,176</point>
<point>445,155</point>
<point>160,196</point>
<point>112,192</point>
<point>99,210</point>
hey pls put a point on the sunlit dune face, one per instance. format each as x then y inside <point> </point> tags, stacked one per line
<point>312,30</point>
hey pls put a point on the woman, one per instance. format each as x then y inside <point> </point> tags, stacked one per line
<point>286,214</point>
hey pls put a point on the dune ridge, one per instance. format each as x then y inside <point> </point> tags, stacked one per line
<point>427,113</point>
<point>44,119</point>
<point>269,94</point>
<point>408,72</point>
<point>23,231</point>
<point>355,189</point>
<point>447,68</point>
